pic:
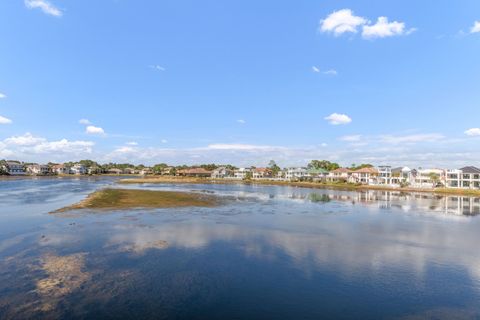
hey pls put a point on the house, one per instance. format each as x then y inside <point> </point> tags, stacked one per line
<point>429,178</point>
<point>78,169</point>
<point>129,171</point>
<point>296,173</point>
<point>114,171</point>
<point>242,173</point>
<point>94,170</point>
<point>60,169</point>
<point>366,175</point>
<point>318,174</point>
<point>222,173</point>
<point>464,178</point>
<point>384,175</point>
<point>403,176</point>
<point>14,168</point>
<point>37,169</point>
<point>146,171</point>
<point>262,173</point>
<point>167,171</point>
<point>195,172</point>
<point>339,175</point>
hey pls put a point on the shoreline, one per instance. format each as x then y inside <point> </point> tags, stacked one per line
<point>313,185</point>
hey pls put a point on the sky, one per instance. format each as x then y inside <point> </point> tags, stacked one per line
<point>241,82</point>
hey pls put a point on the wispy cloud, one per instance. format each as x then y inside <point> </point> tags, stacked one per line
<point>94,130</point>
<point>473,132</point>
<point>413,138</point>
<point>2,95</point>
<point>132,143</point>
<point>476,27</point>
<point>243,147</point>
<point>45,6</point>
<point>351,138</point>
<point>241,121</point>
<point>164,141</point>
<point>331,72</point>
<point>338,119</point>
<point>315,69</point>
<point>157,67</point>
<point>84,121</point>
<point>4,120</point>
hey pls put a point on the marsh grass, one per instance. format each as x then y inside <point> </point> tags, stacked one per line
<point>112,199</point>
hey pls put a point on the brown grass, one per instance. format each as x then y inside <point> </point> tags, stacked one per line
<point>125,198</point>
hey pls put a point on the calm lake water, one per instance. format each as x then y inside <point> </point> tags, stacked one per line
<point>268,253</point>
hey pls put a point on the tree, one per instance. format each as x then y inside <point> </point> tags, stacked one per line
<point>363,165</point>
<point>323,164</point>
<point>435,178</point>
<point>272,165</point>
<point>158,168</point>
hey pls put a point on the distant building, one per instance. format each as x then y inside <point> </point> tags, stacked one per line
<point>364,176</point>
<point>60,169</point>
<point>339,175</point>
<point>242,173</point>
<point>78,169</point>
<point>296,173</point>
<point>464,178</point>
<point>222,173</point>
<point>145,171</point>
<point>429,178</point>
<point>114,171</point>
<point>14,168</point>
<point>318,174</point>
<point>262,173</point>
<point>38,169</point>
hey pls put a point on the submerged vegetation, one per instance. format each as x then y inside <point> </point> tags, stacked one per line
<point>125,198</point>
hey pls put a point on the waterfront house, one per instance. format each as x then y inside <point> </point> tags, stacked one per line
<point>222,173</point>
<point>14,168</point>
<point>262,173</point>
<point>385,175</point>
<point>364,176</point>
<point>429,178</point>
<point>464,178</point>
<point>60,169</point>
<point>114,171</point>
<point>296,173</point>
<point>195,172</point>
<point>78,169</point>
<point>146,171</point>
<point>37,169</point>
<point>339,175</point>
<point>403,176</point>
<point>242,173</point>
<point>318,174</point>
<point>129,171</point>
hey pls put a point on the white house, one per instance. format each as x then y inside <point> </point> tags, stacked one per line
<point>38,169</point>
<point>340,174</point>
<point>262,173</point>
<point>241,173</point>
<point>60,169</point>
<point>222,173</point>
<point>78,169</point>
<point>296,173</point>
<point>464,178</point>
<point>14,168</point>
<point>364,176</point>
<point>429,178</point>
<point>384,175</point>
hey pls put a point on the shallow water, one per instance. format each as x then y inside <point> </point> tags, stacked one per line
<point>268,252</point>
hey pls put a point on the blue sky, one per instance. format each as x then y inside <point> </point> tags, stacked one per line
<point>241,82</point>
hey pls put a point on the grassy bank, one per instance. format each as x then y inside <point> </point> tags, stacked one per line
<point>112,199</point>
<point>317,185</point>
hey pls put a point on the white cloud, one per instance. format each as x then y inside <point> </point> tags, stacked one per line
<point>352,138</point>
<point>45,6</point>
<point>473,132</point>
<point>337,119</point>
<point>4,120</point>
<point>64,146</point>
<point>241,121</point>
<point>341,21</point>
<point>164,141</point>
<point>157,67</point>
<point>315,69</point>
<point>125,150</point>
<point>26,140</point>
<point>132,143</point>
<point>414,138</point>
<point>94,130</point>
<point>324,145</point>
<point>383,29</point>
<point>2,95</point>
<point>331,72</point>
<point>84,121</point>
<point>476,27</point>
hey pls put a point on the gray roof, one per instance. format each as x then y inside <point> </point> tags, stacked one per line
<point>470,169</point>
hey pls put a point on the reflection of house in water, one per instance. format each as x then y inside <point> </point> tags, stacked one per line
<point>469,206</point>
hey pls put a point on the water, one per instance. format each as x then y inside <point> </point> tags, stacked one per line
<point>268,253</point>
